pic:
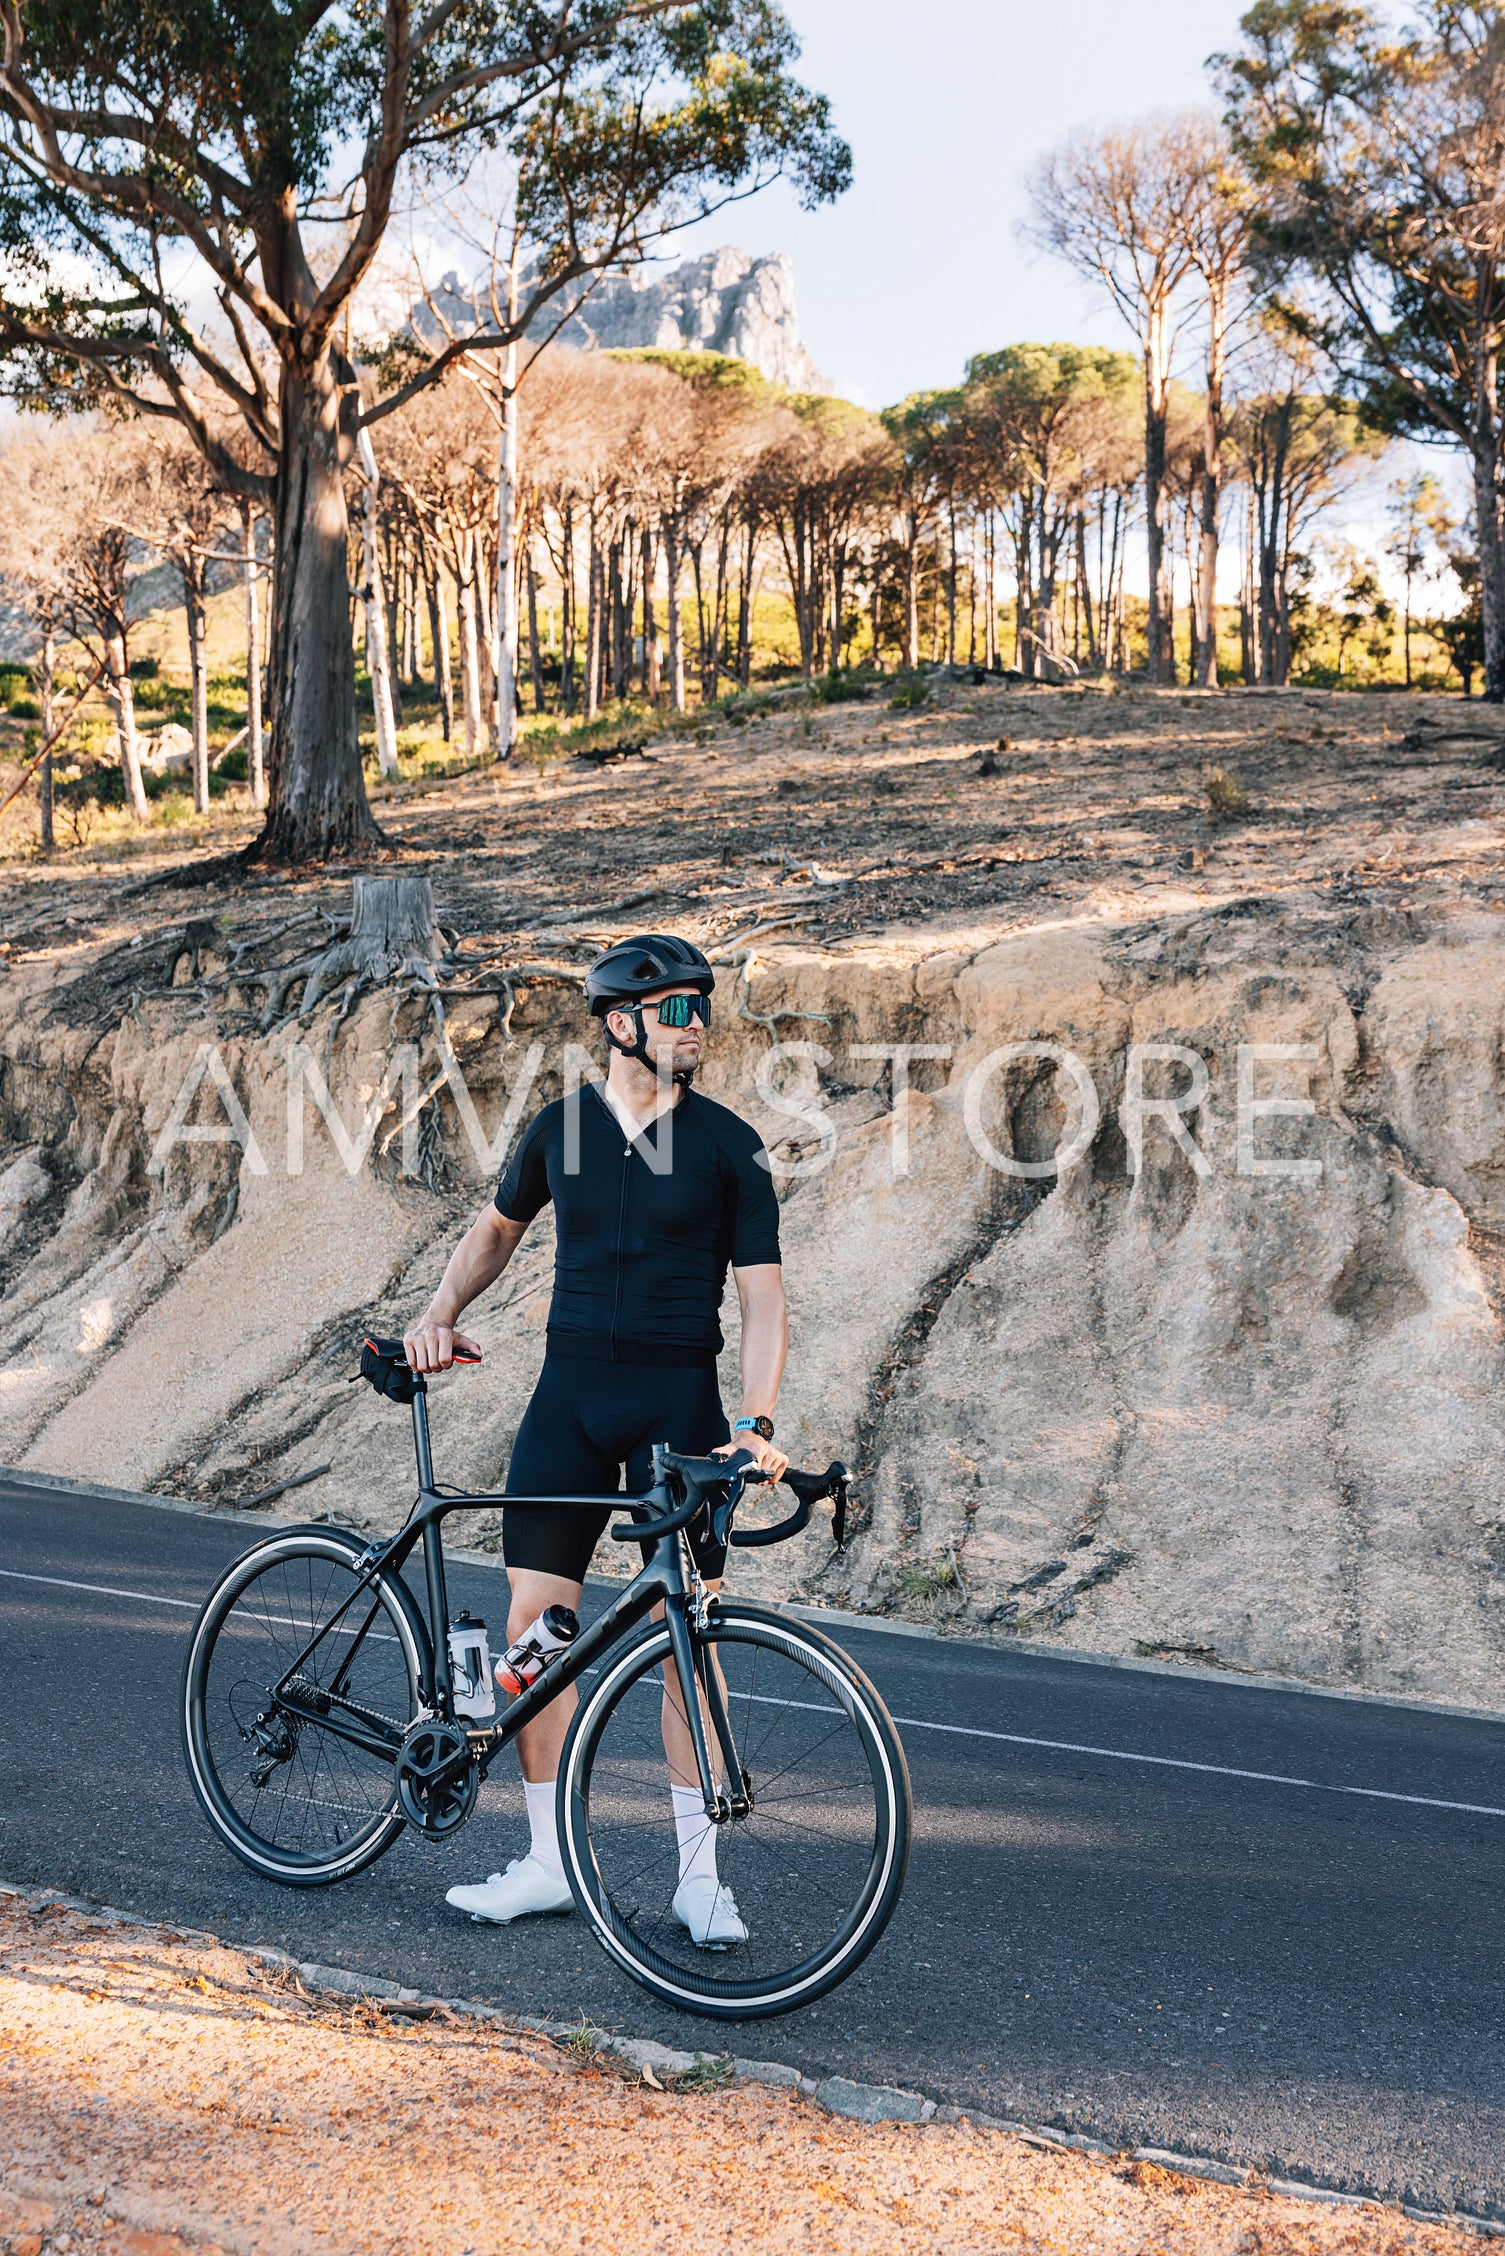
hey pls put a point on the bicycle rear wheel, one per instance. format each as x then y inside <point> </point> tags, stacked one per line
<point>815,1866</point>
<point>289,1795</point>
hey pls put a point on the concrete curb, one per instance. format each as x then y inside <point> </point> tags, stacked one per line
<point>860,2103</point>
<point>826,1616</point>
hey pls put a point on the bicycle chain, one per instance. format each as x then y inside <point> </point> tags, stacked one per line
<point>316,1692</point>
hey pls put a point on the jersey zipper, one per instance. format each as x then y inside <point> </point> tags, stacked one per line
<point>616,1305</point>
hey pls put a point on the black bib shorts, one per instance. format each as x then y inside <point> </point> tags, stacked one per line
<point>586,1424</point>
<point>645,1232</point>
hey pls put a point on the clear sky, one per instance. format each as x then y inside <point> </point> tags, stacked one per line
<point>945,102</point>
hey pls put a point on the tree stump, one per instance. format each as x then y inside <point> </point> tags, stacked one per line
<point>392,935</point>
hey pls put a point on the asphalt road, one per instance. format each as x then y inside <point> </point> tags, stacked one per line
<point>1237,1965</point>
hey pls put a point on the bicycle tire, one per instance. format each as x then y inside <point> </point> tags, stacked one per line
<point>816,1868</point>
<point>334,1812</point>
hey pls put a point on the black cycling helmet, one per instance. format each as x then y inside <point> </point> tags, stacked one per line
<point>639,967</point>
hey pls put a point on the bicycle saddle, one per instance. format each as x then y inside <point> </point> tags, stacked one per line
<point>384,1365</point>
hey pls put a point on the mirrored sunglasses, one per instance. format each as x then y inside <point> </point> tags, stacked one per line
<point>678,1010</point>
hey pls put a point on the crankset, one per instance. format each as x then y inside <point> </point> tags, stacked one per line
<point>437,1777</point>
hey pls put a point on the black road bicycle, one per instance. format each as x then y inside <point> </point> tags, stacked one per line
<point>319,1720</point>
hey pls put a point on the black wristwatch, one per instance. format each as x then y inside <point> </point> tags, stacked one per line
<point>762,1427</point>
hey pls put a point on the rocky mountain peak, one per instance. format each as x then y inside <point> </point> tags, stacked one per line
<point>724,301</point>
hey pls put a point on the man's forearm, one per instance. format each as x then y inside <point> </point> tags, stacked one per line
<point>764,1345</point>
<point>477,1261</point>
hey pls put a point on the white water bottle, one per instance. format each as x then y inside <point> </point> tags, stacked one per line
<point>470,1667</point>
<point>523,1663</point>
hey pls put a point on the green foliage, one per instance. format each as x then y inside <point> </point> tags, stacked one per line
<point>846,688</point>
<point>921,1584</point>
<point>1226,797</point>
<point>708,371</point>
<point>747,705</point>
<point>1369,150</point>
<point>234,766</point>
<point>911,691</point>
<point>24,708</point>
<point>1054,375</point>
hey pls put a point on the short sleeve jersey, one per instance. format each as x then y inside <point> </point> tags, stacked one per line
<point>644,1231</point>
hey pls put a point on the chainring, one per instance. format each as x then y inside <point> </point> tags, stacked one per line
<point>437,1777</point>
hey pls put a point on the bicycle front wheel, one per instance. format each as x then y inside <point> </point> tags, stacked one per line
<point>302,1787</point>
<point>815,1865</point>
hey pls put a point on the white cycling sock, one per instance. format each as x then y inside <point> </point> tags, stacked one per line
<point>545,1849</point>
<point>697,1835</point>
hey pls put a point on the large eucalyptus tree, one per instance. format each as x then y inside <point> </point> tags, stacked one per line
<point>1379,157</point>
<point>192,193</point>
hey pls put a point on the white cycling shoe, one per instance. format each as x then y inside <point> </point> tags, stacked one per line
<point>521,1892</point>
<point>710,1912</point>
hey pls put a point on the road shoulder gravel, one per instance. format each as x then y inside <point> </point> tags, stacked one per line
<point>194,2062</point>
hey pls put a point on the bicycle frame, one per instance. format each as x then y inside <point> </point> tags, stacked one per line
<point>663,1581</point>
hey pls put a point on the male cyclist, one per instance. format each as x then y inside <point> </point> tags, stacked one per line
<point>655,1190</point>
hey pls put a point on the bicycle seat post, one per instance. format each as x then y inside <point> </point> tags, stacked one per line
<point>421,1439</point>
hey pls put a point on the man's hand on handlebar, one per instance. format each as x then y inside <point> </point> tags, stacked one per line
<point>431,1346</point>
<point>772,1461</point>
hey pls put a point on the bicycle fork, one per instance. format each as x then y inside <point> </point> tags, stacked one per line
<point>701,1690</point>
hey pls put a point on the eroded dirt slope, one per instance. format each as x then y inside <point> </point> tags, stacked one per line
<point>1174,1403</point>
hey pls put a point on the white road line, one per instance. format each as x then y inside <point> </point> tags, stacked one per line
<point>149,1598</point>
<point>955,1730</point>
<point>100,1589</point>
<point>1215,1770</point>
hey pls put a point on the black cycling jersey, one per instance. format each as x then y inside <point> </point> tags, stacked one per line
<point>644,1230</point>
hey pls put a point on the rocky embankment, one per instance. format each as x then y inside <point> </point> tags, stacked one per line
<point>1226,1386</point>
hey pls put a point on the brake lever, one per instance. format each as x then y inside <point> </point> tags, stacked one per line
<point>723,1513</point>
<point>839,1516</point>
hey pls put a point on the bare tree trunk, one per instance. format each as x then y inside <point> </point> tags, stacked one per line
<point>716,655</point>
<point>376,620</point>
<point>697,549</point>
<point>408,668</point>
<point>650,622</point>
<point>485,585</point>
<point>951,582</point>
<point>1084,592</point>
<point>1156,411</point>
<point>255,754</point>
<point>617,644</point>
<point>629,608</point>
<point>745,604</point>
<point>990,592</point>
<point>470,655</point>
<point>974,579</point>
<point>593,636</point>
<point>1491,543</point>
<point>912,598</point>
<point>191,571</point>
<point>506,562</point>
<point>676,631</point>
<point>438,611</point>
<point>567,600</point>
<point>1190,537</point>
<point>1212,447</point>
<point>392,578</point>
<point>535,655</point>
<point>318,795</point>
<point>118,678</point>
<point>45,673</point>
